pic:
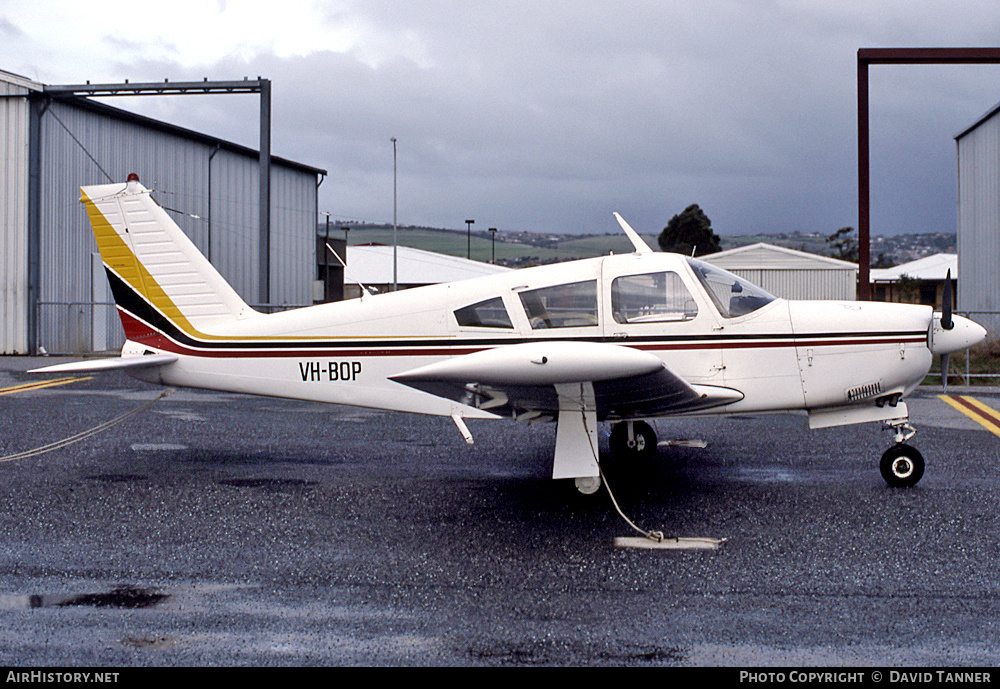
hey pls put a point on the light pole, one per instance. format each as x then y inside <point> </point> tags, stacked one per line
<point>493,237</point>
<point>326,262</point>
<point>468,250</point>
<point>395,281</point>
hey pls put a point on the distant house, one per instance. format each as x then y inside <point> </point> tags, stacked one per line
<point>789,273</point>
<point>917,282</point>
<point>372,266</point>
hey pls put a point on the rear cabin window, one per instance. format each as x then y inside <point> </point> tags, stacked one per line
<point>652,298</point>
<point>573,305</point>
<point>485,314</point>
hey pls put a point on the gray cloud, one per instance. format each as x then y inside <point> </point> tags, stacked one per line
<point>551,116</point>
<point>9,29</point>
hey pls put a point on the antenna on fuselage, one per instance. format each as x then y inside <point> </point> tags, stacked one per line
<point>347,271</point>
<point>641,247</point>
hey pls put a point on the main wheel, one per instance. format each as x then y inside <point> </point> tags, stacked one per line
<point>902,466</point>
<point>641,446</point>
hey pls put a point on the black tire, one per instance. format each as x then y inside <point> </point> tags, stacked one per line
<point>643,447</point>
<point>902,466</point>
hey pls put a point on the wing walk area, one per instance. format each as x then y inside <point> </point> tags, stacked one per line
<point>982,414</point>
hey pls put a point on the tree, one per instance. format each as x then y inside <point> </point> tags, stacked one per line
<point>843,244</point>
<point>689,231</point>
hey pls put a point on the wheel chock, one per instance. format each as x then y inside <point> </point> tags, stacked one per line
<point>672,543</point>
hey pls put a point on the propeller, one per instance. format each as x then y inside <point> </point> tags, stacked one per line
<point>947,323</point>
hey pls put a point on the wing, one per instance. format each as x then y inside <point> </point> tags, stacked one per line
<point>575,383</point>
<point>527,379</point>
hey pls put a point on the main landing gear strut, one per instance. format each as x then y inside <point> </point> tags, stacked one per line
<point>902,465</point>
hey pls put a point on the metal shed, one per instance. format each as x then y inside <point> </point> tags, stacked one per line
<point>790,273</point>
<point>978,150</point>
<point>14,116</point>
<point>926,277</point>
<point>55,295</point>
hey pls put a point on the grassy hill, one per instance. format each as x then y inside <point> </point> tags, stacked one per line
<point>526,248</point>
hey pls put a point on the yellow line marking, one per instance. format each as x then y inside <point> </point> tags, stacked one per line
<point>985,416</point>
<point>42,384</point>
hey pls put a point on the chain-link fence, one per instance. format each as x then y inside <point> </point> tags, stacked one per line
<point>77,327</point>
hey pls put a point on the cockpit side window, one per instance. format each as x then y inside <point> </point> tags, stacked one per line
<point>733,296</point>
<point>485,314</point>
<point>572,305</point>
<point>652,298</point>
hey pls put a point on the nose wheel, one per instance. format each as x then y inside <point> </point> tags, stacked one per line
<point>902,466</point>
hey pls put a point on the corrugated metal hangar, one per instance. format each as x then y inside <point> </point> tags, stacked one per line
<point>789,273</point>
<point>53,293</point>
<point>979,220</point>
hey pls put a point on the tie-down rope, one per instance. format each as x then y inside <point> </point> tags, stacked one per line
<point>83,435</point>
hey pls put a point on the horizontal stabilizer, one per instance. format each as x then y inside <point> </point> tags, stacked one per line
<point>118,363</point>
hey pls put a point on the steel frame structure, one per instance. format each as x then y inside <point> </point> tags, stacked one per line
<point>169,88</point>
<point>894,56</point>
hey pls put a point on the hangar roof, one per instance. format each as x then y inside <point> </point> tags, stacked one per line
<point>372,264</point>
<point>37,90</point>
<point>763,256</point>
<point>934,267</point>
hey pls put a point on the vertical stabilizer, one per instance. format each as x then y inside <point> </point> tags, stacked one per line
<point>155,271</point>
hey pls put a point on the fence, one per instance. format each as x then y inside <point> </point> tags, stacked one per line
<point>77,327</point>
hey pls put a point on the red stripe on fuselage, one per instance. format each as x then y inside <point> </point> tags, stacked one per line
<point>141,332</point>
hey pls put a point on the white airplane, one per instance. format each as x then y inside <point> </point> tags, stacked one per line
<point>619,338</point>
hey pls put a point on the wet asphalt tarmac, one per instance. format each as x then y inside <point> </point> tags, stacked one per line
<point>216,529</point>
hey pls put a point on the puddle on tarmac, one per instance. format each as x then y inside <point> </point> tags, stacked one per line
<point>117,478</point>
<point>122,597</point>
<point>268,483</point>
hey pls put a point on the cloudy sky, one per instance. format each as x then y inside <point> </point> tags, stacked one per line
<point>549,116</point>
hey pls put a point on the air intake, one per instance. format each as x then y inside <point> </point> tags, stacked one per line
<point>864,391</point>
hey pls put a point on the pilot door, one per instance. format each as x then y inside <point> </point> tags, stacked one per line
<point>658,311</point>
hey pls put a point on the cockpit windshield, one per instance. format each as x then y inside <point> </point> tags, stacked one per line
<point>733,296</point>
